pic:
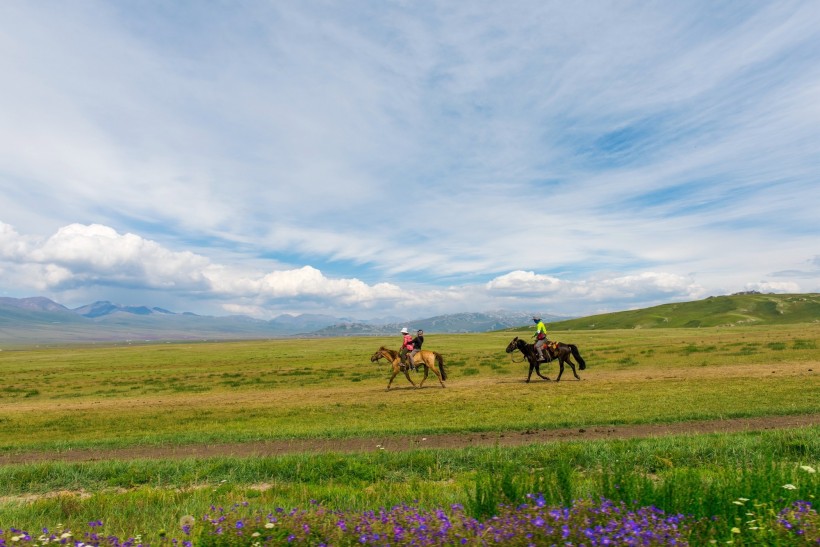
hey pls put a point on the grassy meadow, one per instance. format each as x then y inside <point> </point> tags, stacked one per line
<point>58,399</point>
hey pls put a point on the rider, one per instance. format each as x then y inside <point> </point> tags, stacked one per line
<point>417,342</point>
<point>540,338</point>
<point>406,347</point>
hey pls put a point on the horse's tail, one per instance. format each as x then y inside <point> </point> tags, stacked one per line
<point>575,353</point>
<point>440,363</point>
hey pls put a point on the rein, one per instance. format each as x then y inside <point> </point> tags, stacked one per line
<point>523,356</point>
<point>386,357</point>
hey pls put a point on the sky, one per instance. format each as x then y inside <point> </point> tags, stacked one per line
<point>370,159</point>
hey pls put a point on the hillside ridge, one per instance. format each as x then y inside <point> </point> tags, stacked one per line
<point>746,308</point>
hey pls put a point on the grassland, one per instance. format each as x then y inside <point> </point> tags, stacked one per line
<point>57,399</point>
<point>717,311</point>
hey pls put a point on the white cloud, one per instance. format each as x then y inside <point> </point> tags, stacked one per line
<point>79,255</point>
<point>96,253</point>
<point>12,246</point>
<point>522,283</point>
<point>649,283</point>
<point>645,286</point>
<point>82,258</point>
<point>774,286</point>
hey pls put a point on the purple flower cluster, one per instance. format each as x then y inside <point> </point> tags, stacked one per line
<point>13,536</point>
<point>800,520</point>
<point>532,523</point>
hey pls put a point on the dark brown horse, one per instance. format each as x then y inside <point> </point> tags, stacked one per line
<point>557,350</point>
<point>430,360</point>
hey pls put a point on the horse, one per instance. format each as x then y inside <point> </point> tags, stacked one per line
<point>430,360</point>
<point>557,350</point>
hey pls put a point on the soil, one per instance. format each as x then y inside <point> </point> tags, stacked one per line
<point>411,442</point>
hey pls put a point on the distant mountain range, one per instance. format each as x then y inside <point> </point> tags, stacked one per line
<point>39,320</point>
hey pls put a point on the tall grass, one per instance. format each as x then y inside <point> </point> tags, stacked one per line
<point>697,475</point>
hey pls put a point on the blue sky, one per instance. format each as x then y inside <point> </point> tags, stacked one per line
<point>370,159</point>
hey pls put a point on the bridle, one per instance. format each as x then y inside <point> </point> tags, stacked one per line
<point>512,353</point>
<point>376,357</point>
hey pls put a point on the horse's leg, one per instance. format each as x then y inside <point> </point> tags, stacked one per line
<point>395,372</point>
<point>406,372</point>
<point>538,369</point>
<point>533,364</point>
<point>423,378</point>
<point>407,375</point>
<point>561,369</point>
<point>572,366</point>
<point>438,375</point>
<point>432,366</point>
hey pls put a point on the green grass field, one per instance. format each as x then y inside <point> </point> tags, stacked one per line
<point>93,397</point>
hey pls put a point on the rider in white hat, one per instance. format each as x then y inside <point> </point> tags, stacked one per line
<point>406,348</point>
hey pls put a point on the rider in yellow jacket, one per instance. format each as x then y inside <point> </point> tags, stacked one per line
<point>540,338</point>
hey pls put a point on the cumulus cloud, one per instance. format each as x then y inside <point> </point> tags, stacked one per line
<point>12,245</point>
<point>85,258</point>
<point>525,283</point>
<point>96,253</point>
<point>88,255</point>
<point>774,286</point>
<point>645,286</point>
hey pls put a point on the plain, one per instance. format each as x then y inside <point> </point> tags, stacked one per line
<point>153,396</point>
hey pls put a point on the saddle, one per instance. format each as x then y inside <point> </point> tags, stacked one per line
<point>550,349</point>
<point>404,364</point>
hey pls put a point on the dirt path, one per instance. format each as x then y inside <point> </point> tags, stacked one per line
<point>409,442</point>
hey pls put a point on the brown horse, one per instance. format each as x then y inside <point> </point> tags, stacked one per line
<point>556,350</point>
<point>430,360</point>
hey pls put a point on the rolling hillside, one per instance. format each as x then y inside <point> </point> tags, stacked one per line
<point>733,310</point>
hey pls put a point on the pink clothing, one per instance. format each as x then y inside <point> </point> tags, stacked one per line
<point>408,342</point>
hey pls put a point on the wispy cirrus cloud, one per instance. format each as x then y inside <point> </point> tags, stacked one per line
<point>528,155</point>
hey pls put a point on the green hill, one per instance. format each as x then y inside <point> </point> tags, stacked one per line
<point>734,310</point>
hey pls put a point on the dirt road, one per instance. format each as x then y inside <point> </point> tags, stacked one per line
<point>410,442</point>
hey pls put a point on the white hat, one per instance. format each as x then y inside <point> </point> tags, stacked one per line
<point>404,330</point>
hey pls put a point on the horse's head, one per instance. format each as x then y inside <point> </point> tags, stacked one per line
<point>383,353</point>
<point>512,346</point>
